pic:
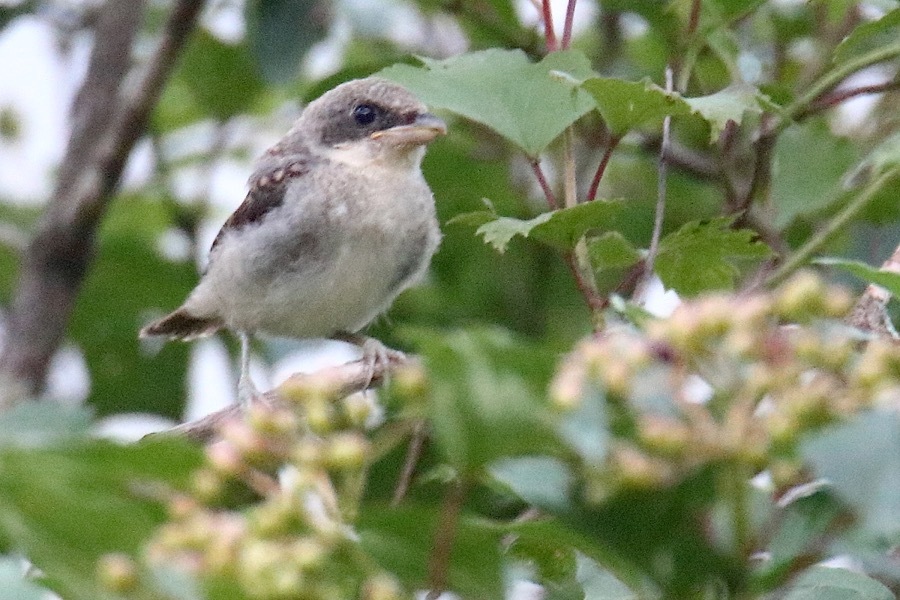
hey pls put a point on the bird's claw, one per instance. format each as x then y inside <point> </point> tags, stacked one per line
<point>378,357</point>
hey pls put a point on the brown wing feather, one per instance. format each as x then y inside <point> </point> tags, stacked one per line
<point>180,325</point>
<point>267,188</point>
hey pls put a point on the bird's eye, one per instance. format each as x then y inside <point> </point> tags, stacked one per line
<point>365,114</point>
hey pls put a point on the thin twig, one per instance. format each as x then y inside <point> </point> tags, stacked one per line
<point>567,29</point>
<point>601,168</point>
<point>661,184</point>
<point>444,535</point>
<point>549,34</point>
<point>413,454</point>
<point>839,96</point>
<point>545,187</point>
<point>831,79</point>
<point>570,183</point>
<point>694,19</point>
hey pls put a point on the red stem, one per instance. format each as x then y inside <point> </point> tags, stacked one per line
<point>835,98</point>
<point>548,193</point>
<point>549,34</point>
<point>694,19</point>
<point>601,168</point>
<point>567,29</point>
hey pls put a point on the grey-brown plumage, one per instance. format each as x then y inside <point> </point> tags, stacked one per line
<point>337,222</point>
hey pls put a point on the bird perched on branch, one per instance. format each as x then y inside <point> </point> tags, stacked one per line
<point>337,222</point>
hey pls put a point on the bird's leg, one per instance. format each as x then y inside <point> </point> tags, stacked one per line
<point>246,390</point>
<point>375,355</point>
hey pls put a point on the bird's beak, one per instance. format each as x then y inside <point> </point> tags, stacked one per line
<point>423,130</point>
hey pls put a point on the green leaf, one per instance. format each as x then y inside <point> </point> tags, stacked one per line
<point>824,583</point>
<point>558,228</point>
<point>807,170</point>
<point>887,280</point>
<point>486,396</point>
<point>701,255</point>
<point>502,90</point>
<point>221,77</point>
<point>402,541</point>
<point>64,507</point>
<point>627,105</point>
<point>541,481</point>
<point>729,104</point>
<point>280,32</point>
<point>868,37</point>
<point>612,250</point>
<point>861,461</point>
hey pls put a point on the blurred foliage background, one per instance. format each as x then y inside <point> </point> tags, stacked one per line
<point>786,114</point>
<point>248,70</point>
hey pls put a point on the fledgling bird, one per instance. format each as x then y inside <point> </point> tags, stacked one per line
<point>337,222</point>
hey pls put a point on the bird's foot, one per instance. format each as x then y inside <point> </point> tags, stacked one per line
<point>247,392</point>
<point>375,355</point>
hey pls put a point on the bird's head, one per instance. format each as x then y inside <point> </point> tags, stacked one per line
<point>371,118</point>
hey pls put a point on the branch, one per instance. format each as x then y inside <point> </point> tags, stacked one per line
<point>340,381</point>
<point>108,118</point>
<point>661,185</point>
<point>839,96</point>
<point>444,535</point>
<point>601,168</point>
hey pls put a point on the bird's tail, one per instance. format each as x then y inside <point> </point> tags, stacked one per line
<point>181,325</point>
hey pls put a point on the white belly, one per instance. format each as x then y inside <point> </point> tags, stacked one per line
<point>365,248</point>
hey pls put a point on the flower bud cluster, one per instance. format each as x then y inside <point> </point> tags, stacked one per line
<point>726,378</point>
<point>271,511</point>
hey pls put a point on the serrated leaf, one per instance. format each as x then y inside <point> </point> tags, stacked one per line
<point>499,231</point>
<point>611,250</point>
<point>701,255</point>
<point>558,228</point>
<point>807,169</point>
<point>627,105</point>
<point>729,104</point>
<point>279,32</point>
<point>401,541</point>
<point>869,36</point>
<point>824,583</point>
<point>861,461</point>
<point>503,90</point>
<point>886,279</point>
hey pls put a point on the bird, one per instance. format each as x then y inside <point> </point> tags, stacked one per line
<point>337,221</point>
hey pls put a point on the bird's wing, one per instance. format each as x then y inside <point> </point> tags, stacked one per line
<point>267,190</point>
